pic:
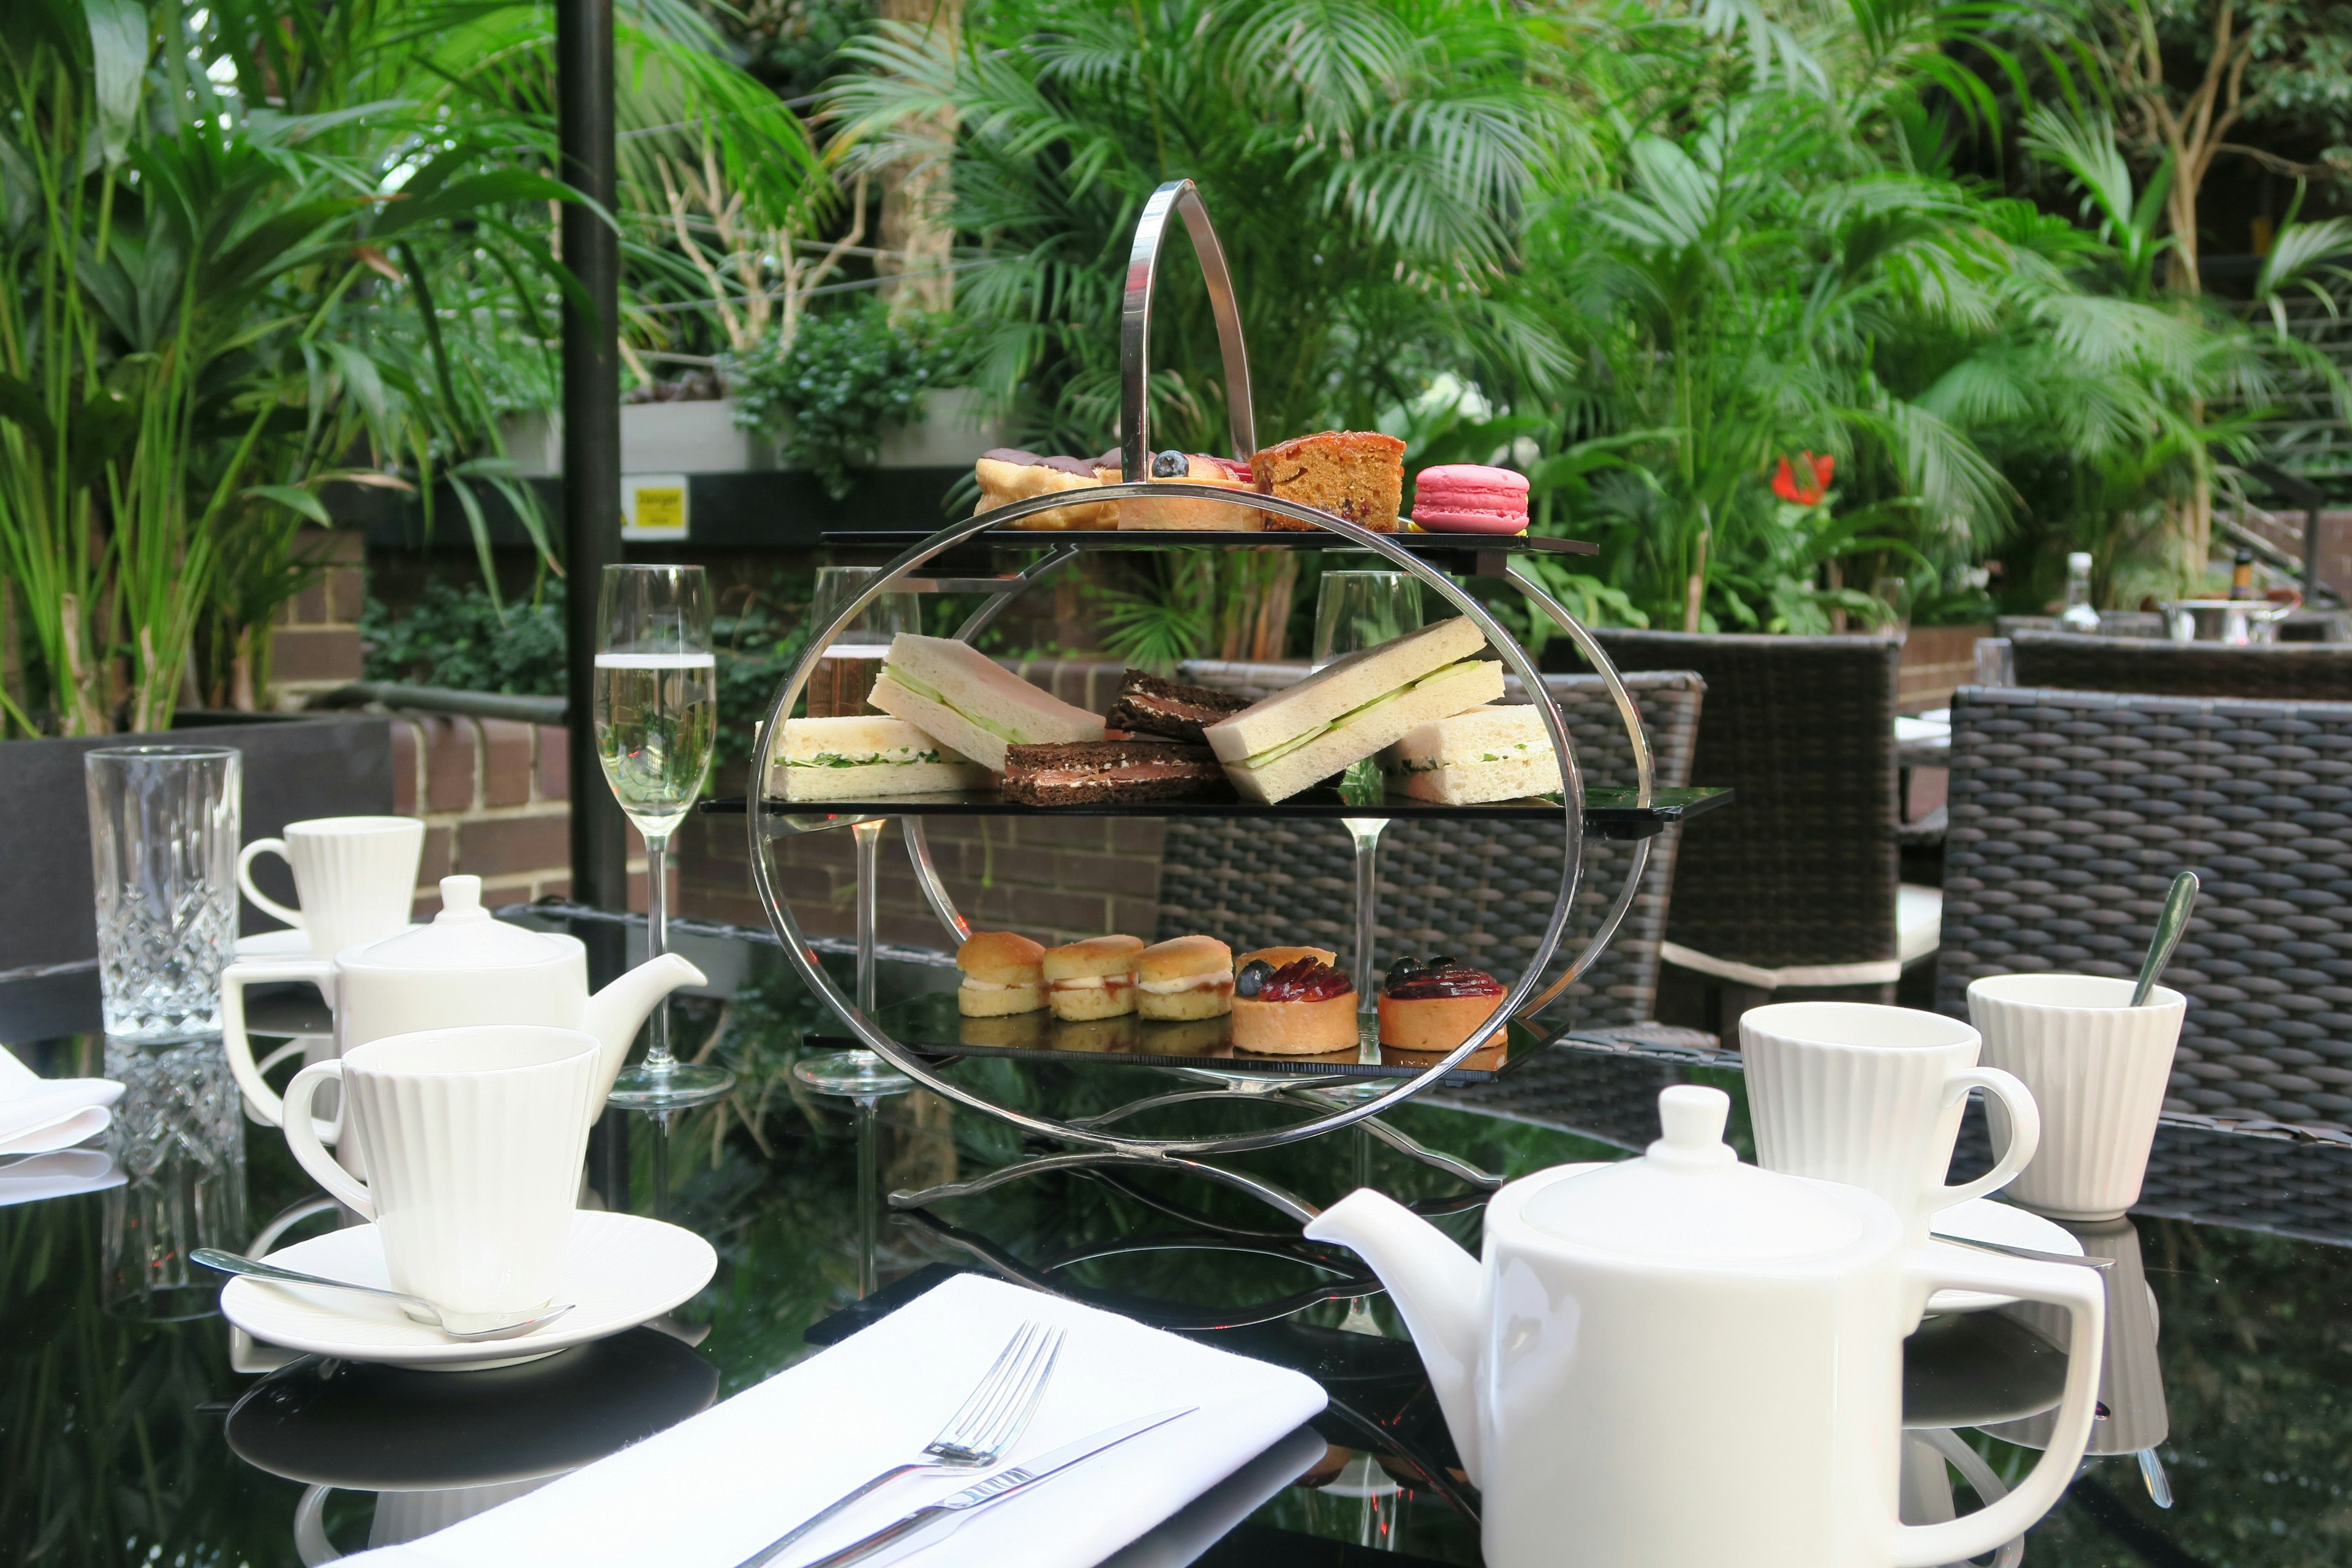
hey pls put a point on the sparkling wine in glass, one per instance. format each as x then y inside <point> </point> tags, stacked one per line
<point>845,676</point>
<point>656,713</point>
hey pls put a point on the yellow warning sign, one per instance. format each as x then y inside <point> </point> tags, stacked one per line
<point>654,507</point>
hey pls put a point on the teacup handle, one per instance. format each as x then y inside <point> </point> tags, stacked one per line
<point>302,1137</point>
<point>2084,1294</point>
<point>259,1097</point>
<point>2024,1130</point>
<point>261,901</point>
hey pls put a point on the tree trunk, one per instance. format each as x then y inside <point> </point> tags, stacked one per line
<point>919,190</point>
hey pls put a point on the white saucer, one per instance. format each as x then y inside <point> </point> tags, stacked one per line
<point>620,1270</point>
<point>286,942</point>
<point>1982,1219</point>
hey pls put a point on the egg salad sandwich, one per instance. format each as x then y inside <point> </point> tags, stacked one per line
<point>1352,708</point>
<point>867,757</point>
<point>963,699</point>
<point>1486,753</point>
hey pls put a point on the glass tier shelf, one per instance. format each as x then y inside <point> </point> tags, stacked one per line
<point>930,1026</point>
<point>1459,554</point>
<point>1611,813</point>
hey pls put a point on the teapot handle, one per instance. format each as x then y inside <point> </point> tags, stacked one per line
<point>2084,1294</point>
<point>259,1098</point>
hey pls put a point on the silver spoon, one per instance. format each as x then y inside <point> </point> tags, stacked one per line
<point>2169,923</point>
<point>468,1326</point>
<point>2036,1254</point>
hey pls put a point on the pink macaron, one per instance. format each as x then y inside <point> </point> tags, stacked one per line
<point>1470,498</point>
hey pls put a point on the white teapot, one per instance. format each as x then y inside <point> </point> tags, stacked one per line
<point>1681,1361</point>
<point>463,968</point>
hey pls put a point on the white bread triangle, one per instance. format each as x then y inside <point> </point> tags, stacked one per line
<point>1344,685</point>
<point>1327,753</point>
<point>1474,783</point>
<point>974,686</point>
<point>879,781</point>
<point>863,737</point>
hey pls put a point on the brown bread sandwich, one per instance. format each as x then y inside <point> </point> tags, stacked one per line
<point>1150,705</point>
<point>1086,773</point>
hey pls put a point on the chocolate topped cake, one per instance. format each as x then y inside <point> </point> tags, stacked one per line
<point>1157,707</point>
<point>1085,773</point>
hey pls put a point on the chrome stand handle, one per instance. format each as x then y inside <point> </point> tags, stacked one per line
<point>1135,328</point>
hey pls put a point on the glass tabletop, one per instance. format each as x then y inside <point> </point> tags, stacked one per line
<point>131,1441</point>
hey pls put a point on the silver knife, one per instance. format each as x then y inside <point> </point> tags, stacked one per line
<point>1003,1484</point>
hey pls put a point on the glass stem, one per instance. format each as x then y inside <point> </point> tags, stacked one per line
<point>869,850</point>
<point>1367,833</point>
<point>868,1195</point>
<point>658,1057</point>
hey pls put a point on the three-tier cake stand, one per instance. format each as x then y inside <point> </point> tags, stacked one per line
<point>968,556</point>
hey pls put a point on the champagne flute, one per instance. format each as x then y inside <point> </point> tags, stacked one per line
<point>1354,610</point>
<point>656,708</point>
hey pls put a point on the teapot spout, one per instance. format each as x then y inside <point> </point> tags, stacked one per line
<point>614,1012</point>
<point>1436,1286</point>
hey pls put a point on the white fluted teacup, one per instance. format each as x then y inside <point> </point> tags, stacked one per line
<point>2098,1067</point>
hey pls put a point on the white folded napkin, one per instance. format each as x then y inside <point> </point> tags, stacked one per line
<point>38,1114</point>
<point>713,1490</point>
<point>61,1173</point>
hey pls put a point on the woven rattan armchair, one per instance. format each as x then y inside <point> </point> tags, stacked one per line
<point>1480,890</point>
<point>1795,887</point>
<point>2316,672</point>
<point>2071,811</point>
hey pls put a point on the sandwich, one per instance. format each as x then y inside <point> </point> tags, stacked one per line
<point>1350,709</point>
<point>1087,773</point>
<point>1002,974</point>
<point>1150,705</point>
<point>1092,979</point>
<point>1185,977</point>
<point>866,756</point>
<point>1485,754</point>
<point>963,699</point>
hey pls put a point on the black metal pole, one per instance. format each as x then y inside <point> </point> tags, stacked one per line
<point>591,425</point>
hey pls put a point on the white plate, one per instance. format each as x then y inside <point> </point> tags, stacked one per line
<point>619,1271</point>
<point>1982,1219</point>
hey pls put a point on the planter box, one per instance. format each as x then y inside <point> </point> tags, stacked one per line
<point>295,767</point>
<point>702,437</point>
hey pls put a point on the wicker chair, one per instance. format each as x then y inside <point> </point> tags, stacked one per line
<point>2071,811</point>
<point>2312,672</point>
<point>1481,891</point>
<point>1794,887</point>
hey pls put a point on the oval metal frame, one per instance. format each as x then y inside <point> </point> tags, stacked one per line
<point>915,1067</point>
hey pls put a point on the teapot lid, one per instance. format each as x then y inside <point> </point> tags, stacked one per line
<point>1689,1200</point>
<point>464,935</point>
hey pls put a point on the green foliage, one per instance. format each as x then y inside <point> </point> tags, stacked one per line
<point>827,397</point>
<point>461,639</point>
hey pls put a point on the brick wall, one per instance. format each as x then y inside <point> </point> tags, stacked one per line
<point>314,642</point>
<point>1054,880</point>
<point>496,798</point>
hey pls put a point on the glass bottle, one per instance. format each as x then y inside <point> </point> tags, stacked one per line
<point>2241,574</point>
<point>2078,615</point>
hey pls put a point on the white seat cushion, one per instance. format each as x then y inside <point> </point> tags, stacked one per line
<point>1919,927</point>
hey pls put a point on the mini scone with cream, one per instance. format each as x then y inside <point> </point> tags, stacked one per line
<point>1001,975</point>
<point>1092,979</point>
<point>1184,977</point>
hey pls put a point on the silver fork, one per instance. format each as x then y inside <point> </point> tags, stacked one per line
<point>989,1421</point>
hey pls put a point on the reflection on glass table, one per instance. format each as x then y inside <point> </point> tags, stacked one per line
<point>2244,1246</point>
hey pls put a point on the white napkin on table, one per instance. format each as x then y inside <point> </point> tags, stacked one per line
<point>713,1490</point>
<point>60,1173</point>
<point>38,1114</point>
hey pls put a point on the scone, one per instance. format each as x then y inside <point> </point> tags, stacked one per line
<point>1355,475</point>
<point>1435,1006</point>
<point>1185,977</point>
<point>1001,976</point>
<point>1092,979</point>
<point>1306,1008</point>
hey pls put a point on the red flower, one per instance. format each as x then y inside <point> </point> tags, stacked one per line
<point>1795,492</point>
